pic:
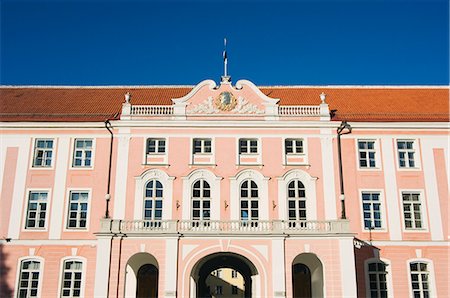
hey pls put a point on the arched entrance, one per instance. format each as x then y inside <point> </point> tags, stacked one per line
<point>307,276</point>
<point>215,275</point>
<point>142,276</point>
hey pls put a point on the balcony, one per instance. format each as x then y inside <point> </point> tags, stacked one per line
<point>233,227</point>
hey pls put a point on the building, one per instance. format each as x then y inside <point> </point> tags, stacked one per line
<point>325,191</point>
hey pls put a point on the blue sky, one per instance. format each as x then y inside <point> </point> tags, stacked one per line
<point>365,42</point>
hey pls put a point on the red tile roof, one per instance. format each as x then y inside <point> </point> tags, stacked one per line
<point>353,103</point>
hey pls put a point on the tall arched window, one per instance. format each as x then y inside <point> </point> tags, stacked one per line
<point>201,200</point>
<point>153,200</point>
<point>249,200</point>
<point>420,279</point>
<point>296,200</point>
<point>377,279</point>
<point>29,278</point>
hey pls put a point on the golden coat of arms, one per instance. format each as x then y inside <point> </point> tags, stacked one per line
<point>225,101</point>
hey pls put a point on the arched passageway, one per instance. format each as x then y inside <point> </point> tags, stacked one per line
<point>142,276</point>
<point>208,283</point>
<point>307,276</point>
<point>147,281</point>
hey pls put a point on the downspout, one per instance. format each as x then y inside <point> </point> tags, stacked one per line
<point>108,198</point>
<point>344,125</point>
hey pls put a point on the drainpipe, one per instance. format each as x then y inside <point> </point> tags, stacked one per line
<point>343,129</point>
<point>108,195</point>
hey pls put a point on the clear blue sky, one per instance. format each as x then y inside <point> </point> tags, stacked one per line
<point>373,42</point>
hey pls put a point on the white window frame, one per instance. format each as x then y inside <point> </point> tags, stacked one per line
<point>249,198</point>
<point>202,146</point>
<point>304,154</point>
<point>67,210</point>
<point>214,183</point>
<point>390,288</point>
<point>310,193</point>
<point>157,143</point>
<point>382,210</point>
<point>377,151</point>
<point>257,155</point>
<point>297,199</point>
<point>83,158</point>
<point>153,198</point>
<point>47,214</point>
<point>263,189</point>
<point>248,145</point>
<point>201,199</point>
<point>294,147</point>
<point>431,280</point>
<point>423,207</point>
<point>19,271</point>
<point>139,192</point>
<point>417,164</point>
<point>164,155</point>
<point>83,274</point>
<point>52,150</point>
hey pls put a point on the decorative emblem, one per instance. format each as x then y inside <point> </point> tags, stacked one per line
<point>225,101</point>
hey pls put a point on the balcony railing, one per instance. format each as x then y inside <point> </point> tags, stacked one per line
<point>299,110</point>
<point>141,110</point>
<point>224,227</point>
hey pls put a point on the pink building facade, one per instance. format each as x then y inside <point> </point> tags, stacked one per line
<point>145,196</point>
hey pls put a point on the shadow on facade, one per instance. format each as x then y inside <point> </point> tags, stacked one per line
<point>364,251</point>
<point>5,290</point>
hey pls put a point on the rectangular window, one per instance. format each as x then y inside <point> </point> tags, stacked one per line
<point>37,210</point>
<point>248,146</point>
<point>72,279</point>
<point>202,146</point>
<point>366,150</point>
<point>234,290</point>
<point>29,279</point>
<point>293,146</point>
<point>234,274</point>
<point>377,280</point>
<point>43,152</point>
<point>406,154</point>
<point>156,146</point>
<point>219,290</point>
<point>78,209</point>
<point>82,153</point>
<point>420,279</point>
<point>412,210</point>
<point>371,203</point>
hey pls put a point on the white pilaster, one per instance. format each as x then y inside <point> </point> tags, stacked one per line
<point>19,185</point>
<point>329,192</point>
<point>120,191</point>
<point>347,258</point>
<point>59,188</point>
<point>278,270</point>
<point>102,267</point>
<point>171,267</point>
<point>431,188</point>
<point>390,184</point>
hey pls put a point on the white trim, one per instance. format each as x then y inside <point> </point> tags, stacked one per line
<point>102,266</point>
<point>417,155</point>
<point>40,242</point>
<point>411,243</point>
<point>19,269</point>
<point>431,276</point>
<point>393,204</point>
<point>378,165</point>
<point>310,193</point>
<point>59,188</point>
<point>188,182</point>
<point>25,209</point>
<point>328,171</point>
<point>83,273</point>
<point>171,265</point>
<point>278,267</point>
<point>431,190</point>
<point>54,151</point>
<point>141,181</point>
<point>389,285</point>
<point>384,227</point>
<point>423,211</point>
<point>158,154</point>
<point>347,261</point>
<point>304,154</point>
<point>210,83</point>
<point>67,201</point>
<point>258,154</point>
<point>211,156</point>
<point>261,181</point>
<point>93,148</point>
<point>120,190</point>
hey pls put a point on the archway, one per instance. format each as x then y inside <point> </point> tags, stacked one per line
<point>307,276</point>
<point>142,276</point>
<point>207,282</point>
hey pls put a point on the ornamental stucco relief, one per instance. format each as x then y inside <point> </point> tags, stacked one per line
<point>209,106</point>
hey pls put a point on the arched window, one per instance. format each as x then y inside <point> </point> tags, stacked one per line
<point>201,200</point>
<point>377,279</point>
<point>72,279</point>
<point>153,200</point>
<point>29,278</point>
<point>296,200</point>
<point>249,200</point>
<point>420,279</point>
